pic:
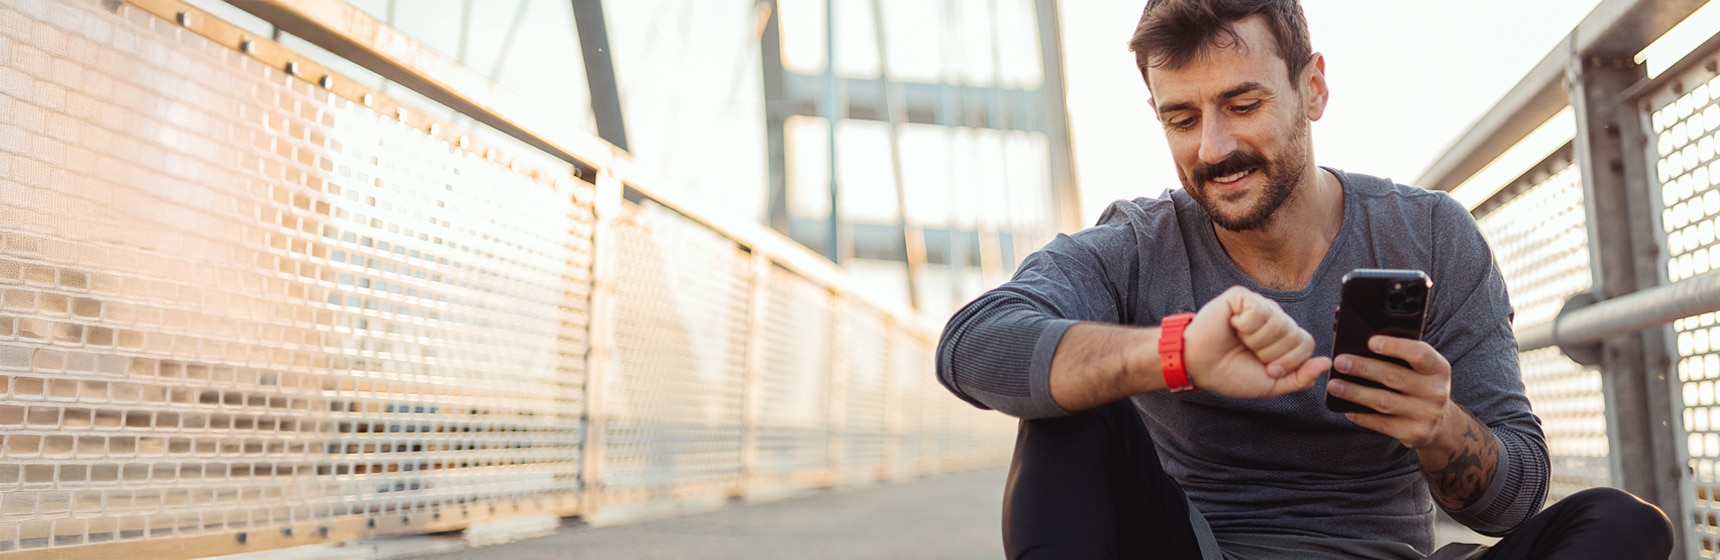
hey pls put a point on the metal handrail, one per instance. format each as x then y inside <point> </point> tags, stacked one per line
<point>1625,314</point>
<point>1613,28</point>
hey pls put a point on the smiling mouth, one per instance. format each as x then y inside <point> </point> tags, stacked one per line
<point>1232,178</point>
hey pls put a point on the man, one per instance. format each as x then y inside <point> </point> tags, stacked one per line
<point>1109,463</point>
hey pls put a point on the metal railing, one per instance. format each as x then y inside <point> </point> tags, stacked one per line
<point>246,303</point>
<point>1613,288</point>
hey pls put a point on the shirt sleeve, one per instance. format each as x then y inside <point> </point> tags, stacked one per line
<point>1470,324</point>
<point>996,351</point>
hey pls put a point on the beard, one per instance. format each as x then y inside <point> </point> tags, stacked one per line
<point>1282,175</point>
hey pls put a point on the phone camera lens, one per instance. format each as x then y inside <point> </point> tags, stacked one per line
<point>1402,298</point>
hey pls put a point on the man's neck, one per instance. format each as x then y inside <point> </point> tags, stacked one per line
<point>1284,254</point>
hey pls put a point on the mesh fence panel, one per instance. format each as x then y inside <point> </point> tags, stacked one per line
<point>675,400</point>
<point>1682,127</point>
<point>863,424</point>
<point>907,415</point>
<point>1540,240</point>
<point>935,424</point>
<point>231,300</point>
<point>794,418</point>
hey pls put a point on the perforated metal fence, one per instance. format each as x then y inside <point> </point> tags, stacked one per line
<point>1683,123</point>
<point>240,310</point>
<point>674,400</point>
<point>865,402</point>
<point>1540,240</point>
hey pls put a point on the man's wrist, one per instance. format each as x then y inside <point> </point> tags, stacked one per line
<point>1171,344</point>
<point>1450,432</point>
<point>1461,461</point>
<point>1140,373</point>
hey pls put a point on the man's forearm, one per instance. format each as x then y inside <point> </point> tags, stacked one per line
<point>1097,363</point>
<point>1460,466</point>
<point>1240,345</point>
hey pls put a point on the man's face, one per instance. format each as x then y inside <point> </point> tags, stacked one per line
<point>1237,128</point>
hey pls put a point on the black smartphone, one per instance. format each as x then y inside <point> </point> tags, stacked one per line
<point>1376,302</point>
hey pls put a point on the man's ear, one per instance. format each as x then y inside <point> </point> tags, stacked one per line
<point>1315,90</point>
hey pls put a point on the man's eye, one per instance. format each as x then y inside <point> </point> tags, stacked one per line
<point>1180,124</point>
<point>1245,109</point>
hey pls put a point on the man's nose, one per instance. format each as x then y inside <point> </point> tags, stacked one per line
<point>1217,141</point>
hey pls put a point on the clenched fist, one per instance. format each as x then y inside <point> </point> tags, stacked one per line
<point>1242,345</point>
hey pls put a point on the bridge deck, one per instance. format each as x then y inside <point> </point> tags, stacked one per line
<point>952,516</point>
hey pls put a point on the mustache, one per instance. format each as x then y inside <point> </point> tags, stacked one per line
<point>1237,162</point>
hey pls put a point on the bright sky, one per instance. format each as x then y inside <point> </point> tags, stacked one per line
<point>1407,78</point>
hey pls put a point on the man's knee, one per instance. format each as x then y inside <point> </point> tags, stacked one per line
<point>1625,513</point>
<point>1092,429</point>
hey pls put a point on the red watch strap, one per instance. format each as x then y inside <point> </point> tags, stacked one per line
<point>1171,352</point>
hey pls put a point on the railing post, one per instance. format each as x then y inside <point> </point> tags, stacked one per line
<point>601,356</point>
<point>1625,249</point>
<point>836,423</point>
<point>752,398</point>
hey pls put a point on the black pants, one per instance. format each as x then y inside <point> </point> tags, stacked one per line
<point>1090,486</point>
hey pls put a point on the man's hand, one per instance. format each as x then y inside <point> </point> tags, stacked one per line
<point>1243,345</point>
<point>1419,409</point>
<point>1458,452</point>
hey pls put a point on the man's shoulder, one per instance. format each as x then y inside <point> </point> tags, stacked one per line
<point>1383,188</point>
<point>1145,214</point>
<point>1127,226</point>
<point>1375,193</point>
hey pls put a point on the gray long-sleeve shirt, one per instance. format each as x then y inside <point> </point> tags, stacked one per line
<point>1284,466</point>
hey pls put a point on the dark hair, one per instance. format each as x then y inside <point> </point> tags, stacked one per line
<point>1172,33</point>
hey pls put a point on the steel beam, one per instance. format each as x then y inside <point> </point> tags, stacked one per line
<point>914,244</point>
<point>948,114</point>
<point>1626,258</point>
<point>776,112</point>
<point>1065,194</point>
<point>988,249</point>
<point>832,110</point>
<point>593,33</point>
<point>923,102</point>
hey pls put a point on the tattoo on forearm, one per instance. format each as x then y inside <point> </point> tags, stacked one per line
<point>1468,469</point>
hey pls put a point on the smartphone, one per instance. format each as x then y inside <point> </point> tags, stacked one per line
<point>1376,302</point>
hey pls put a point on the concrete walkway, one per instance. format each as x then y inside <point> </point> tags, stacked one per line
<point>951,516</point>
